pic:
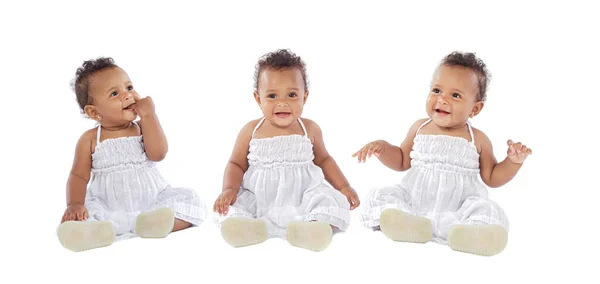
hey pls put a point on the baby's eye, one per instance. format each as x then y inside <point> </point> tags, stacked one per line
<point>293,95</point>
<point>129,88</point>
<point>456,96</point>
<point>436,90</point>
<point>114,94</point>
<point>271,96</point>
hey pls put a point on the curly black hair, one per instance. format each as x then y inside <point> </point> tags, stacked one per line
<point>470,61</point>
<point>280,59</point>
<point>81,82</point>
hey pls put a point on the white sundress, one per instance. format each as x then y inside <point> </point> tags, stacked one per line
<point>125,183</point>
<point>282,184</point>
<point>442,185</point>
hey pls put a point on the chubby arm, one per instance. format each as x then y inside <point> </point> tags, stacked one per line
<point>238,162</point>
<point>80,170</point>
<point>493,173</point>
<point>394,157</point>
<point>398,158</point>
<point>332,172</point>
<point>155,141</point>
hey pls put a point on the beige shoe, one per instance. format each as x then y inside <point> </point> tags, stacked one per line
<point>240,231</point>
<point>315,236</point>
<point>155,224</point>
<point>485,240</point>
<point>404,227</point>
<point>80,236</point>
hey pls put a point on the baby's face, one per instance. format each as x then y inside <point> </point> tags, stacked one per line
<point>453,96</point>
<point>112,96</point>
<point>281,95</point>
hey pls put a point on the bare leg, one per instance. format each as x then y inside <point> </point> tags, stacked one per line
<point>180,225</point>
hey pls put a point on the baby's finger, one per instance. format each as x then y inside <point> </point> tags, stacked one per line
<point>361,155</point>
<point>225,208</point>
<point>85,215</point>
<point>356,154</point>
<point>366,153</point>
<point>511,150</point>
<point>220,205</point>
<point>518,146</point>
<point>354,205</point>
<point>509,142</point>
<point>79,217</point>
<point>371,151</point>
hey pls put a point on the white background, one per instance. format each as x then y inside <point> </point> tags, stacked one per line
<point>369,66</point>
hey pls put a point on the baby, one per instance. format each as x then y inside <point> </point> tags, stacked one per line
<point>441,197</point>
<point>125,195</point>
<point>274,183</point>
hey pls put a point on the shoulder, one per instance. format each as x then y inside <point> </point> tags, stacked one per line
<point>482,141</point>
<point>90,133</point>
<point>249,127</point>
<point>88,138</point>
<point>417,124</point>
<point>251,124</point>
<point>311,126</point>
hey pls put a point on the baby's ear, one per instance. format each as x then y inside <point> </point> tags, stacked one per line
<point>92,112</point>
<point>305,96</point>
<point>476,108</point>
<point>257,97</point>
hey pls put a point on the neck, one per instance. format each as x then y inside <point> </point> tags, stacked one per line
<point>116,127</point>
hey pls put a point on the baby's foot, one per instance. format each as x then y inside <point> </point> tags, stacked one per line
<point>485,240</point>
<point>155,224</point>
<point>404,227</point>
<point>314,236</point>
<point>240,231</point>
<point>80,236</point>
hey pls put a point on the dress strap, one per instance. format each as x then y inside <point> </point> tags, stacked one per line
<point>98,134</point>
<point>303,128</point>
<point>471,131</point>
<point>257,126</point>
<point>423,124</point>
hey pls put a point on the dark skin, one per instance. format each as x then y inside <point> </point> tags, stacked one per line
<point>452,100</point>
<point>281,97</point>
<point>115,105</point>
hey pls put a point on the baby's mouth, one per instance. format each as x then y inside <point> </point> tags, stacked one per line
<point>441,111</point>
<point>131,106</point>
<point>282,114</point>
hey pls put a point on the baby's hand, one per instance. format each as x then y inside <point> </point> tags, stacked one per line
<point>373,148</point>
<point>350,193</point>
<point>75,212</point>
<point>226,198</point>
<point>143,107</point>
<point>517,153</point>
